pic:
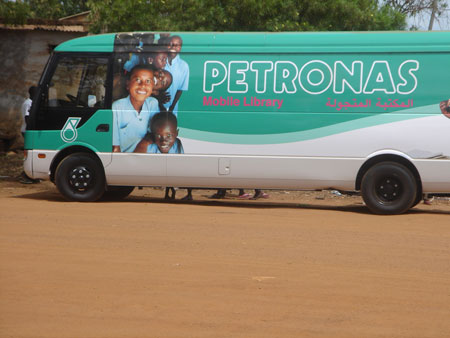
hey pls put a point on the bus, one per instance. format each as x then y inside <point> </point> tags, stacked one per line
<point>357,112</point>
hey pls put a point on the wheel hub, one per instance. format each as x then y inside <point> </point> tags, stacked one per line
<point>80,178</point>
<point>388,189</point>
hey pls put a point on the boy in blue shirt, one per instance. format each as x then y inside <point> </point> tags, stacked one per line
<point>131,115</point>
<point>180,74</point>
<point>163,139</point>
<point>163,136</point>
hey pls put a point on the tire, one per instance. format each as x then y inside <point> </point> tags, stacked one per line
<point>419,198</point>
<point>389,188</point>
<point>80,177</point>
<point>116,193</point>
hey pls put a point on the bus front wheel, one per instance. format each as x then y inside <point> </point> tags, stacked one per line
<point>389,188</point>
<point>80,177</point>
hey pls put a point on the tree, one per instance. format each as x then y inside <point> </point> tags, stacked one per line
<point>13,12</point>
<point>419,9</point>
<point>17,12</point>
<point>215,15</point>
<point>414,7</point>
<point>243,15</point>
<point>55,9</point>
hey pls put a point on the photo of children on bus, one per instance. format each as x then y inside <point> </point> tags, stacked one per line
<point>149,80</point>
<point>163,136</point>
<point>445,107</point>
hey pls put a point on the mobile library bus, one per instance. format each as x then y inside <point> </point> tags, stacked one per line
<point>358,112</point>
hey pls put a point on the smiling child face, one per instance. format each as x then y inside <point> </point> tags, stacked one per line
<point>165,136</point>
<point>162,80</point>
<point>175,46</point>
<point>140,86</point>
<point>160,60</point>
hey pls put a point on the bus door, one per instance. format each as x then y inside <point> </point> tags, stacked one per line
<point>73,105</point>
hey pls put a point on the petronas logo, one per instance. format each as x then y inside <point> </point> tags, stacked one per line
<point>69,132</point>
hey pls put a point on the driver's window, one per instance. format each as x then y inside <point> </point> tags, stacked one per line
<point>78,82</point>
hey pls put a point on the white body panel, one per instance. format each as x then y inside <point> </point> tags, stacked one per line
<point>317,168</point>
<point>268,172</point>
<point>136,169</point>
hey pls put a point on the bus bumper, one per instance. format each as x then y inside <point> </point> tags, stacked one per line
<point>28,163</point>
<point>37,163</point>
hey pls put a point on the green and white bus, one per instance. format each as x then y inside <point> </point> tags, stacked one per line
<point>357,112</point>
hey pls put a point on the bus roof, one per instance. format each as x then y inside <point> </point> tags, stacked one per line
<point>287,42</point>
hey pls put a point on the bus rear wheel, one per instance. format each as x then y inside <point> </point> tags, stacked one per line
<point>389,188</point>
<point>80,177</point>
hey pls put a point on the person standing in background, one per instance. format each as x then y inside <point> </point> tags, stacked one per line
<point>25,110</point>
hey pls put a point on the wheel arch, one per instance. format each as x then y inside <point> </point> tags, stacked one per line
<point>66,152</point>
<point>388,158</point>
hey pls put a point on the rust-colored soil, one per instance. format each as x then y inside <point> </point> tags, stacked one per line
<point>294,265</point>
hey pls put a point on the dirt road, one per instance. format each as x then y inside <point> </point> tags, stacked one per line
<point>305,265</point>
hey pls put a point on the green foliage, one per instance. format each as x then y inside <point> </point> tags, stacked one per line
<point>17,12</point>
<point>356,15</point>
<point>13,12</point>
<point>243,15</point>
<point>55,9</point>
<point>214,15</point>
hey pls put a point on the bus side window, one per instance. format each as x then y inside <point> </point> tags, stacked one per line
<point>78,82</point>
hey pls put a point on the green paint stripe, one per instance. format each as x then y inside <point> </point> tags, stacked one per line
<point>379,119</point>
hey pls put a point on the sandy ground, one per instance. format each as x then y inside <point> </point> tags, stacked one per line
<point>295,265</point>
